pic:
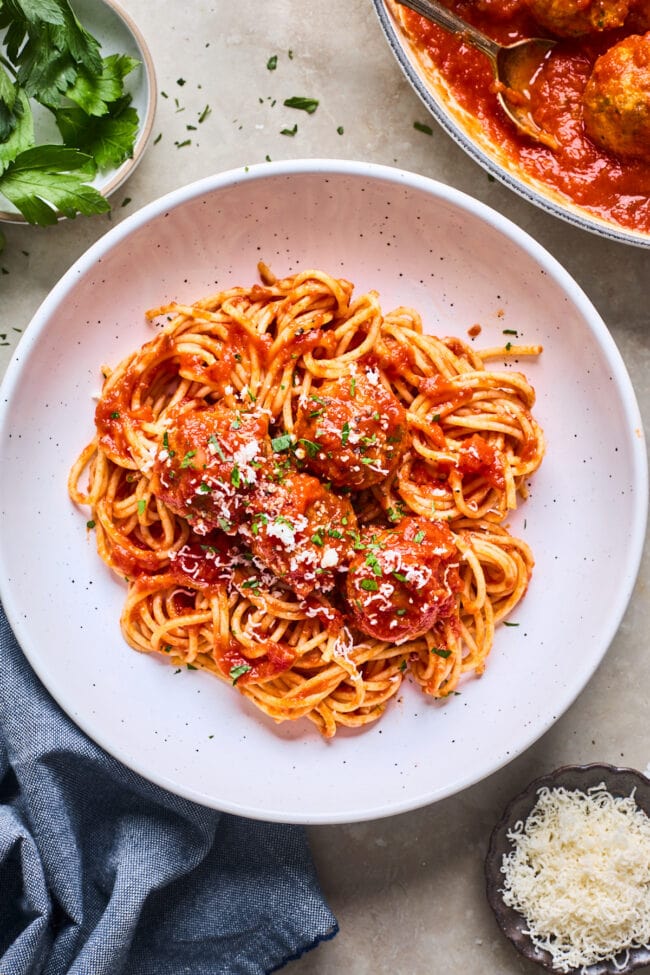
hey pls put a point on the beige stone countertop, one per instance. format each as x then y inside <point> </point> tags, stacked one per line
<point>408,891</point>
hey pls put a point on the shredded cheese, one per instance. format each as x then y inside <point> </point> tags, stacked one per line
<point>579,873</point>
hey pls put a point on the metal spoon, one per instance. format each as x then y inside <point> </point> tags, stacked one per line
<point>513,64</point>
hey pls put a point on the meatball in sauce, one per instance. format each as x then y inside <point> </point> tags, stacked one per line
<point>207,465</point>
<point>300,530</point>
<point>354,430</point>
<point>574,18</point>
<point>403,580</point>
<point>616,102</point>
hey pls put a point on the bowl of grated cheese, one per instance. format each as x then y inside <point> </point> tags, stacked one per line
<point>568,870</point>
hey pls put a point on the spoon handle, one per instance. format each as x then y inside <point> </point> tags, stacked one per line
<point>449,21</point>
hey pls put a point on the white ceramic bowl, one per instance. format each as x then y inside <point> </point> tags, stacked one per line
<point>418,243</point>
<point>117,33</point>
<point>466,130</point>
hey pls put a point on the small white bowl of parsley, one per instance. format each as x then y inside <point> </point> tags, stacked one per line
<point>77,101</point>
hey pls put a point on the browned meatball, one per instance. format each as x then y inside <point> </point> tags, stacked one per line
<point>403,580</point>
<point>616,102</point>
<point>571,18</point>
<point>300,530</point>
<point>207,465</point>
<point>352,430</point>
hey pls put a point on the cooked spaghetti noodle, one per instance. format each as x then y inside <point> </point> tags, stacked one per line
<point>307,496</point>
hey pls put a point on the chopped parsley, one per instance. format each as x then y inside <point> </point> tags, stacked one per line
<point>419,538</point>
<point>281,443</point>
<point>142,506</point>
<point>187,459</point>
<point>422,127</point>
<point>272,62</point>
<point>441,652</point>
<point>237,672</point>
<point>311,447</point>
<point>308,105</point>
<point>345,432</point>
<point>214,442</point>
<point>369,585</point>
<point>235,477</point>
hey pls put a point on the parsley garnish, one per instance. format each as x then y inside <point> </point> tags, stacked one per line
<point>235,477</point>
<point>419,538</point>
<point>237,672</point>
<point>214,442</point>
<point>281,443</point>
<point>272,62</point>
<point>289,131</point>
<point>142,506</point>
<point>308,105</point>
<point>345,432</point>
<point>311,447</point>
<point>440,652</point>
<point>187,459</point>
<point>370,585</point>
<point>90,524</point>
<point>421,127</point>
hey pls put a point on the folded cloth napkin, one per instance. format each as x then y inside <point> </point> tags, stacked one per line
<point>103,872</point>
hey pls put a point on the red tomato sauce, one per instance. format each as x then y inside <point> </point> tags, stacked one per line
<point>607,186</point>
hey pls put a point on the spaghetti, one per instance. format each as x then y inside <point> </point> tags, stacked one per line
<point>307,496</point>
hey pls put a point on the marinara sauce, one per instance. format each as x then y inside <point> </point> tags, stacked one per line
<point>609,187</point>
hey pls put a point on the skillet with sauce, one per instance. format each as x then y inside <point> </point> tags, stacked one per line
<point>592,92</point>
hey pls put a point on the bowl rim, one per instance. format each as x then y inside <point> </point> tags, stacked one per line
<point>122,173</point>
<point>619,781</point>
<point>571,213</point>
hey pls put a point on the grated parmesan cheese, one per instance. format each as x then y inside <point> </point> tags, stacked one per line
<point>579,873</point>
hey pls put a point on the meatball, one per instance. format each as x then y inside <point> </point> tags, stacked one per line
<point>207,465</point>
<point>353,430</point>
<point>403,580</point>
<point>616,102</point>
<point>571,18</point>
<point>300,530</point>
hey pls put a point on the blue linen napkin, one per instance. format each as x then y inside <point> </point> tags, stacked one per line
<point>103,873</point>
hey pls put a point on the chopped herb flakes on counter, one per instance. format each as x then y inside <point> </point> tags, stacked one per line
<point>308,105</point>
<point>49,59</point>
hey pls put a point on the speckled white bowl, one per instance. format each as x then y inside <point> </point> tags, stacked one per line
<point>418,243</point>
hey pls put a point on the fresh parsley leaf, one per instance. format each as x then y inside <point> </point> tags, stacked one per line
<point>109,138</point>
<point>94,93</point>
<point>48,45</point>
<point>44,180</point>
<point>19,125</point>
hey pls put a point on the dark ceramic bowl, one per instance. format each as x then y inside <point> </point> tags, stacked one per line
<point>619,782</point>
